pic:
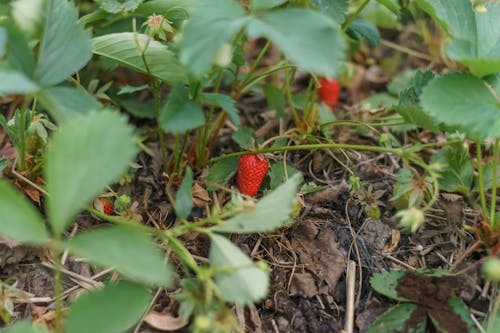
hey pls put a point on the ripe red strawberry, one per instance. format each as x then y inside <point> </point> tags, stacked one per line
<point>252,169</point>
<point>104,206</point>
<point>329,91</point>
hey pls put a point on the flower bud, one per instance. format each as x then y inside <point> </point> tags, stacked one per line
<point>411,218</point>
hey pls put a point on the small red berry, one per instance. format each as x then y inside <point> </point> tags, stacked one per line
<point>252,170</point>
<point>329,91</point>
<point>104,206</point>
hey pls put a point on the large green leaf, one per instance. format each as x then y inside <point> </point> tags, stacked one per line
<point>461,99</point>
<point>475,36</point>
<point>19,54</point>
<point>180,113</point>
<point>115,6</point>
<point>220,20</point>
<point>385,283</point>
<point>128,249</point>
<point>125,48</point>
<point>238,278</point>
<point>19,220</point>
<point>65,47</point>
<point>334,8</point>
<point>311,40</point>
<point>461,310</point>
<point>265,216</point>
<point>266,4</point>
<point>395,320</point>
<point>24,327</point>
<point>173,10</point>
<point>221,172</point>
<point>225,102</point>
<point>86,154</point>
<point>64,103</point>
<point>14,82</point>
<point>113,309</point>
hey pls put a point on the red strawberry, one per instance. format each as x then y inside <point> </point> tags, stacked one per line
<point>329,91</point>
<point>252,169</point>
<point>104,206</point>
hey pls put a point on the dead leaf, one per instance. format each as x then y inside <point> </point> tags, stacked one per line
<point>303,284</point>
<point>164,321</point>
<point>329,194</point>
<point>200,195</point>
<point>395,237</point>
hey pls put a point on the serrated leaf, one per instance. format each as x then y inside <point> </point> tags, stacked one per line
<point>24,327</point>
<point>238,279</point>
<point>265,217</point>
<point>14,82</point>
<point>180,113</point>
<point>361,29</point>
<point>311,40</point>
<point>415,115</point>
<point>461,310</point>
<point>64,103</point>
<point>395,320</point>
<point>19,220</point>
<point>184,197</point>
<point>103,310</point>
<point>385,283</point>
<point>475,36</point>
<point>278,176</point>
<point>244,137</point>
<point>457,172</point>
<point>124,47</point>
<point>128,249</point>
<point>220,20</point>
<point>19,54</point>
<point>461,99</point>
<point>115,6</point>
<point>221,172</point>
<point>86,154</point>
<point>336,9</point>
<point>65,47</point>
<point>225,102</point>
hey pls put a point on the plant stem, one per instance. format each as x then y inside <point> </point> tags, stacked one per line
<point>493,203</point>
<point>58,290</point>
<point>22,132</point>
<point>355,15</point>
<point>482,195</point>
<point>253,68</point>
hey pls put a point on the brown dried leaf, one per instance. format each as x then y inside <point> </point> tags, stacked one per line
<point>329,194</point>
<point>303,284</point>
<point>164,321</point>
<point>200,195</point>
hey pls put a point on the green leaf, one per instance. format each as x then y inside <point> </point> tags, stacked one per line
<point>415,115</point>
<point>131,89</point>
<point>180,113</point>
<point>278,176</point>
<point>238,278</point>
<point>65,47</point>
<point>311,40</point>
<point>457,172</point>
<point>64,103</point>
<point>336,9</point>
<point>125,48</point>
<point>361,29</point>
<point>86,154</point>
<point>14,82</point>
<point>220,20</point>
<point>20,222</point>
<point>3,41</point>
<point>244,138</point>
<point>115,6</point>
<point>487,178</point>
<point>173,10</point>
<point>225,102</point>
<point>126,248</point>
<point>392,5</point>
<point>385,283</point>
<point>184,197</point>
<point>461,310</point>
<point>395,320</point>
<point>475,36</point>
<point>136,107</point>
<point>265,216</point>
<point>266,4</point>
<point>24,327</point>
<point>113,309</point>
<point>221,172</point>
<point>461,99</point>
<point>19,53</point>
<point>275,98</point>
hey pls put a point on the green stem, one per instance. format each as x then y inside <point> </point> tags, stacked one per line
<point>493,203</point>
<point>263,75</point>
<point>253,68</point>
<point>22,132</point>
<point>58,290</point>
<point>163,148</point>
<point>355,15</point>
<point>480,176</point>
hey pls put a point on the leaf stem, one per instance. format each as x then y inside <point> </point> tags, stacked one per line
<point>253,68</point>
<point>480,176</point>
<point>493,202</point>
<point>58,290</point>
<point>22,132</point>
<point>163,148</point>
<point>354,16</point>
